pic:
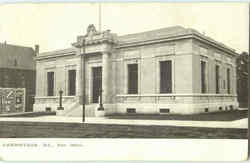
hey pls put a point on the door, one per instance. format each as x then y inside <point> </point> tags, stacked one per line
<point>97,83</point>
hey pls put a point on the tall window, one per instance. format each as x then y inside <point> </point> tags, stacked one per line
<point>50,80</point>
<point>72,82</point>
<point>203,77</point>
<point>132,79</point>
<point>217,80</point>
<point>228,81</point>
<point>15,62</point>
<point>166,77</point>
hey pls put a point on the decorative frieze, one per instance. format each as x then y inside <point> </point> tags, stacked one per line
<point>217,56</point>
<point>132,54</point>
<point>165,50</point>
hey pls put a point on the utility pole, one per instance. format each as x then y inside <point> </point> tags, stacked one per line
<point>83,81</point>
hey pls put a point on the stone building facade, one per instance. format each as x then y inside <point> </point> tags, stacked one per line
<point>17,70</point>
<point>168,70</point>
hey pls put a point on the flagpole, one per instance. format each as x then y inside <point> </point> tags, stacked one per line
<point>100,17</point>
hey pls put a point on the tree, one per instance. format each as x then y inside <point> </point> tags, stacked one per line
<point>242,78</point>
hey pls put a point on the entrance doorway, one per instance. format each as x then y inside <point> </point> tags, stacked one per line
<point>97,83</point>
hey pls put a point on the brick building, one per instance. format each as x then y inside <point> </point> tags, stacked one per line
<point>169,70</point>
<point>17,70</point>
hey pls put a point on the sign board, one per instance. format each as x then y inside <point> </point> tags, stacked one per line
<point>12,100</point>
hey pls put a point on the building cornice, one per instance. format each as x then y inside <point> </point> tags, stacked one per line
<point>153,41</point>
<point>55,55</point>
<point>214,44</point>
<point>94,37</point>
<point>99,41</point>
<point>178,37</point>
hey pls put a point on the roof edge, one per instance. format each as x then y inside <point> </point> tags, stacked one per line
<point>61,51</point>
<point>184,36</point>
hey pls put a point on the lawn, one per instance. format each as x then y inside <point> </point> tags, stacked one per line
<point>77,130</point>
<point>213,116</point>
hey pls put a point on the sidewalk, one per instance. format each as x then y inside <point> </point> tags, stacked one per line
<point>242,123</point>
<point>242,108</point>
<point>28,114</point>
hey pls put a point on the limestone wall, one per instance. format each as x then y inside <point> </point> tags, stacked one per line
<point>60,67</point>
<point>213,57</point>
<point>148,58</point>
<point>186,97</point>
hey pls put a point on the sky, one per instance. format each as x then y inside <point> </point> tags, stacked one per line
<point>56,25</point>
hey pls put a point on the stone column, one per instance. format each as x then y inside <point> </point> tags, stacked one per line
<point>105,77</point>
<point>79,87</point>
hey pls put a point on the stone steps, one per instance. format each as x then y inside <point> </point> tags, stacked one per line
<point>77,111</point>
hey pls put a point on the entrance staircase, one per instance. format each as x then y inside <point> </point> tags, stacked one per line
<point>76,110</point>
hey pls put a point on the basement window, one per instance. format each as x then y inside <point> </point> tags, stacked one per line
<point>131,110</point>
<point>231,107</point>
<point>206,110</point>
<point>48,109</point>
<point>164,110</point>
<point>220,108</point>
